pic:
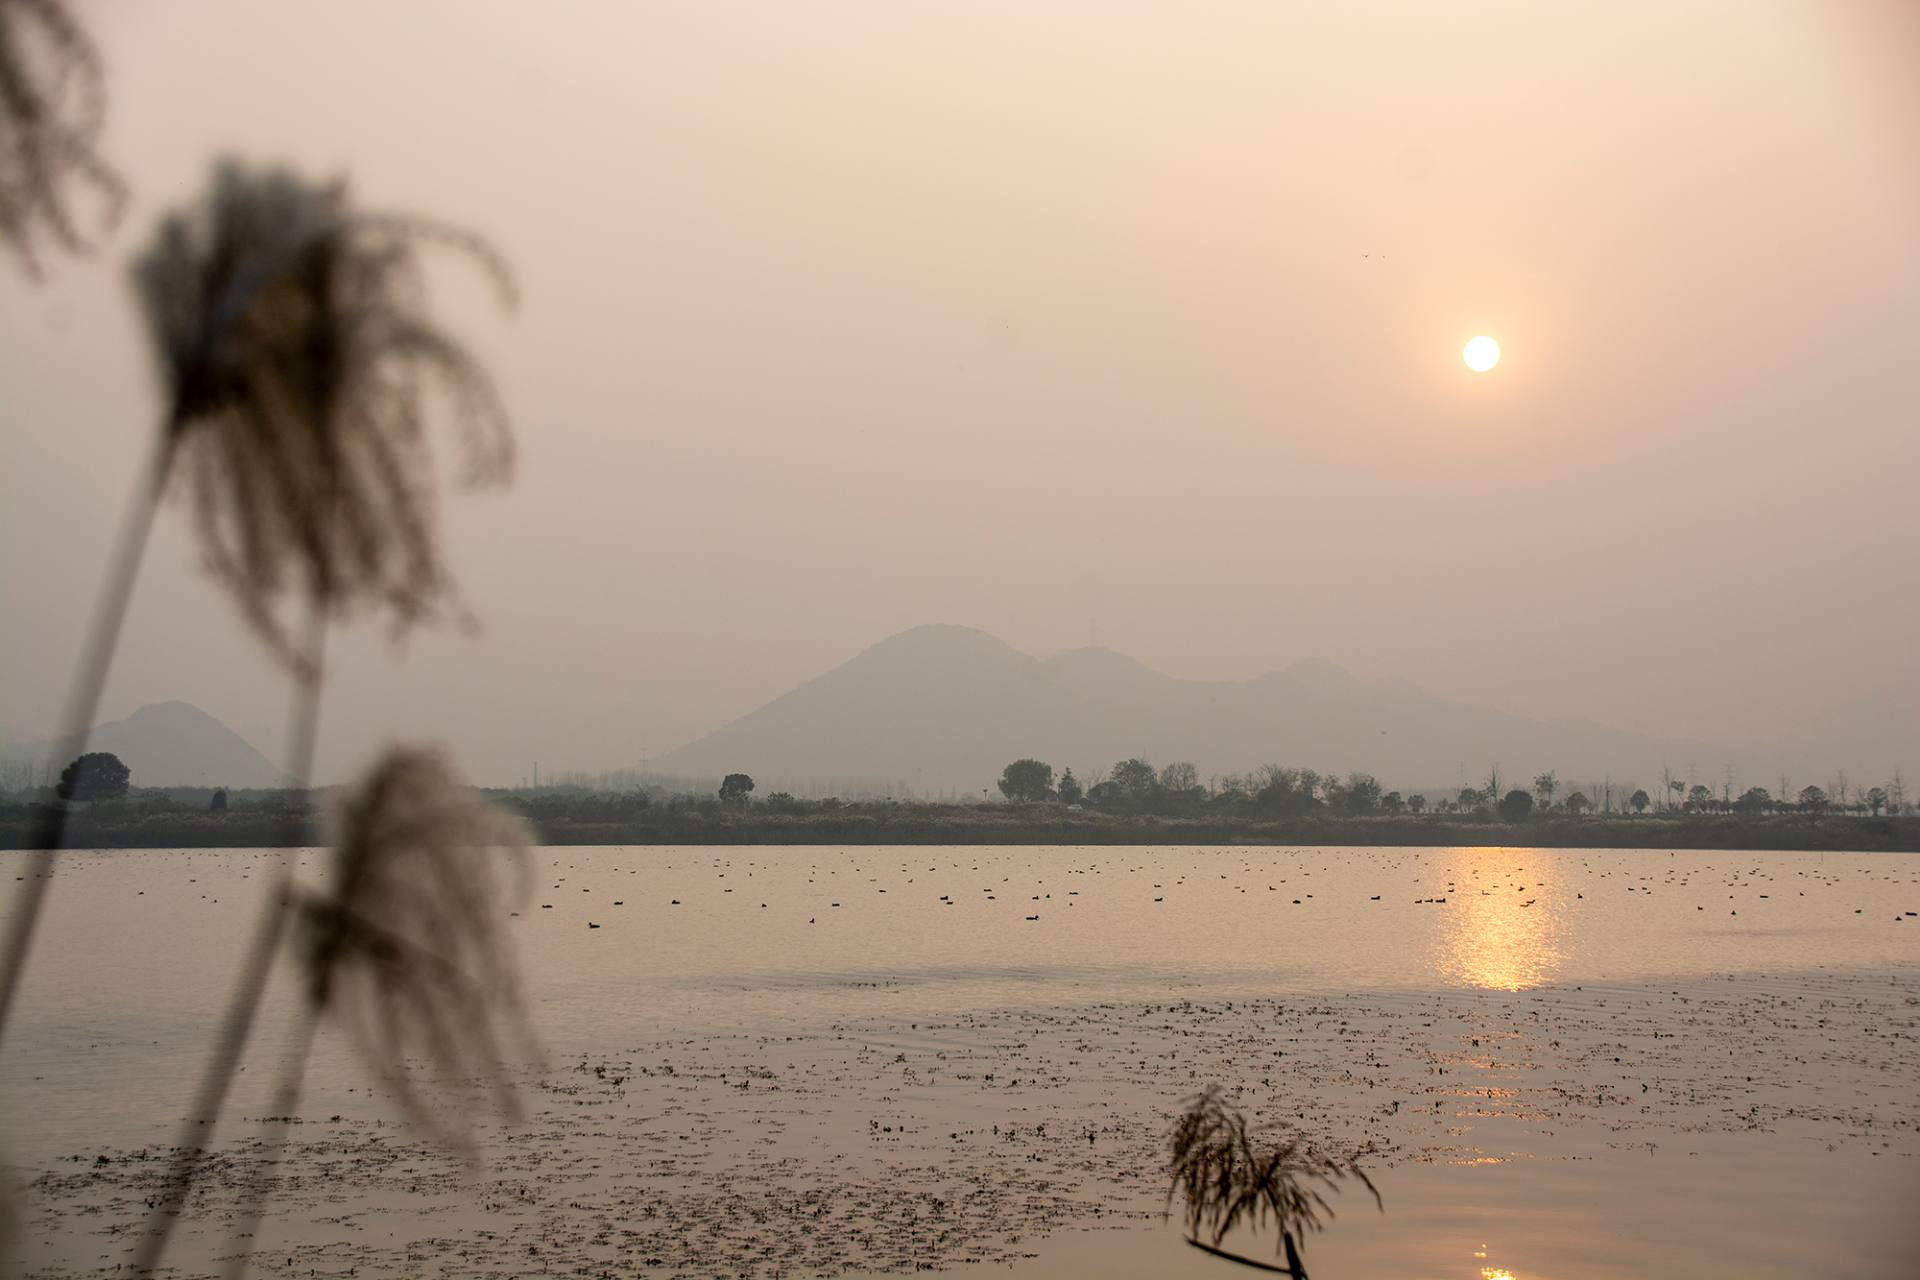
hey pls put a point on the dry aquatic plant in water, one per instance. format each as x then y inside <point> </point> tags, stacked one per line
<point>1227,1181</point>
<point>53,101</point>
<point>408,949</point>
<point>293,335</point>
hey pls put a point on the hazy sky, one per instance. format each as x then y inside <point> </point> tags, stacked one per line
<point>844,317</point>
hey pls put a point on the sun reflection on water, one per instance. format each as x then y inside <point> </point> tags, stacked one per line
<point>1502,925</point>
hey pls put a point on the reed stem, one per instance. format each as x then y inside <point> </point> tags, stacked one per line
<point>237,1026</point>
<point>241,1240</point>
<point>83,705</point>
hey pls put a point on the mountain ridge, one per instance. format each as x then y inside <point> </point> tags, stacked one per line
<point>943,708</point>
<point>170,744</point>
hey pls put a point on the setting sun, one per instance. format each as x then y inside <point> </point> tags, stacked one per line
<point>1481,354</point>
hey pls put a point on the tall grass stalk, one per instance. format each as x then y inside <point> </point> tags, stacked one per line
<point>406,949</point>
<point>83,706</point>
<point>256,966</point>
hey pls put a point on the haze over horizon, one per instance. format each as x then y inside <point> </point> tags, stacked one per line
<point>1061,321</point>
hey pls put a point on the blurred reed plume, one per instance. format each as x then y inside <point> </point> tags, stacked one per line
<point>1227,1181</point>
<point>296,345</point>
<point>53,101</point>
<point>408,948</point>
<point>405,948</point>
<point>300,362</point>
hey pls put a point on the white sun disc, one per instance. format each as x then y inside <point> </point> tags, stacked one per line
<point>1481,354</point>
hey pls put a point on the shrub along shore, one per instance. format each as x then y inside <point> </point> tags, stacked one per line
<point>605,820</point>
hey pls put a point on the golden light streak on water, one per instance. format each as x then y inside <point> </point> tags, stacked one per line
<point>1502,923</point>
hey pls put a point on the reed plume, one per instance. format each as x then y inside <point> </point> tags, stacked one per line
<point>1227,1181</point>
<point>53,101</point>
<point>295,342</point>
<point>299,358</point>
<point>408,948</point>
<point>52,104</point>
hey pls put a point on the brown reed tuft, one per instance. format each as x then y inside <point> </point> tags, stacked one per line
<point>408,948</point>
<point>296,344</point>
<point>53,101</point>
<point>1227,1181</point>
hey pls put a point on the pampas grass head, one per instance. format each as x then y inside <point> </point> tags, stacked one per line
<point>53,102</point>
<point>300,359</point>
<point>408,948</point>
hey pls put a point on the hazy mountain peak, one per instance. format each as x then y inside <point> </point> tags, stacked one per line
<point>174,743</point>
<point>944,637</point>
<point>944,708</point>
<point>1321,675</point>
<point>172,714</point>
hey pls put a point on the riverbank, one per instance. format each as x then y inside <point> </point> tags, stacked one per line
<point>557,822</point>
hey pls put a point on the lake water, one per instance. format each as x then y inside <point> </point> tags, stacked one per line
<point>810,1061</point>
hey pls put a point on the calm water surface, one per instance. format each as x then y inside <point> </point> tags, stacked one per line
<point>137,948</point>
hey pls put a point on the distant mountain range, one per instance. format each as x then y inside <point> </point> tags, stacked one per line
<point>171,744</point>
<point>944,708</point>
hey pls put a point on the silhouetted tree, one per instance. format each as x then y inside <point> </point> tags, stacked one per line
<point>1753,800</point>
<point>1517,805</point>
<point>218,804</point>
<point>1180,776</point>
<point>1640,800</point>
<point>1700,799</point>
<point>1577,803</point>
<point>1135,779</point>
<point>735,788</point>
<point>1813,799</point>
<point>1876,799</point>
<point>1417,803</point>
<point>1544,785</point>
<point>1069,789</point>
<point>97,775</point>
<point>1286,791</point>
<point>1027,781</point>
<point>1360,794</point>
<point>1392,803</point>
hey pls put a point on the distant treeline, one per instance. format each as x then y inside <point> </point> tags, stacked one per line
<point>268,819</point>
<point>1135,786</point>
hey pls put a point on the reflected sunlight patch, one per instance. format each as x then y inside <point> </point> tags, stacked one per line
<point>1502,930</point>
